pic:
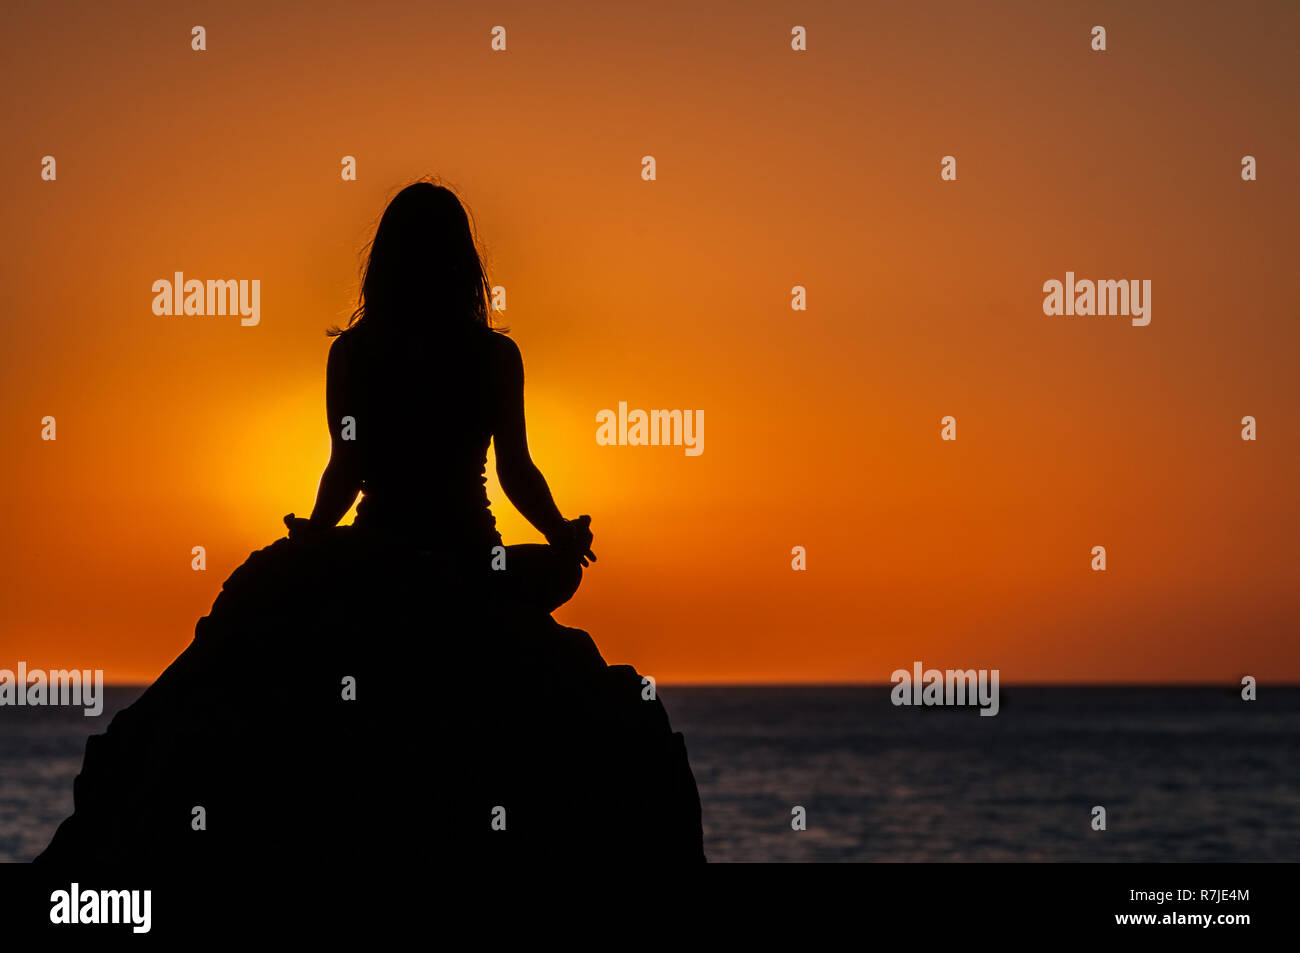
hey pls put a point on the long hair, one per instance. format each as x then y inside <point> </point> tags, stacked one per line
<point>423,272</point>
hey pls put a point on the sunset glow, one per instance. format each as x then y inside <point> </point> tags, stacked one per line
<point>924,300</point>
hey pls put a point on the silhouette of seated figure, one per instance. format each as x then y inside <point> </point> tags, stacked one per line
<point>416,388</point>
<point>349,673</point>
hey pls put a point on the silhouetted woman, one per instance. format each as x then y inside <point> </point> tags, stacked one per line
<point>417,386</point>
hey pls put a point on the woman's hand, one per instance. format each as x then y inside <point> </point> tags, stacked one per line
<point>575,538</point>
<point>297,526</point>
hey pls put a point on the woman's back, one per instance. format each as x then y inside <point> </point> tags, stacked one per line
<point>425,409</point>
<point>417,388</point>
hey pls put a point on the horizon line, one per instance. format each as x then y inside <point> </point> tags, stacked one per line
<point>740,683</point>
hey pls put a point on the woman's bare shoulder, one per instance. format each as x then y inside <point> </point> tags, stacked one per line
<point>342,355</point>
<point>504,350</point>
<point>346,341</point>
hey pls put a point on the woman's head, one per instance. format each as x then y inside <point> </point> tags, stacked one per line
<point>423,272</point>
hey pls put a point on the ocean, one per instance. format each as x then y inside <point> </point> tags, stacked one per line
<point>1184,774</point>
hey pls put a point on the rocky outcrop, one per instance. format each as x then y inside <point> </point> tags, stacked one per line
<point>468,716</point>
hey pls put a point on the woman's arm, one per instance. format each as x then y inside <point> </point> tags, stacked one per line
<point>522,482</point>
<point>341,481</point>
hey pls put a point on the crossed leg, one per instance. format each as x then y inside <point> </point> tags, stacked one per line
<point>536,576</point>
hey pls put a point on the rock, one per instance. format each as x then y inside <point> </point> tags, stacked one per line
<point>462,705</point>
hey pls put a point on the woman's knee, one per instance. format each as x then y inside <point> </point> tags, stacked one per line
<point>573,576</point>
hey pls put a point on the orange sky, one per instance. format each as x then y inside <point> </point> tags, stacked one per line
<point>775,169</point>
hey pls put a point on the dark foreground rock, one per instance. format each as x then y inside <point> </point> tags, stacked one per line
<point>463,706</point>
